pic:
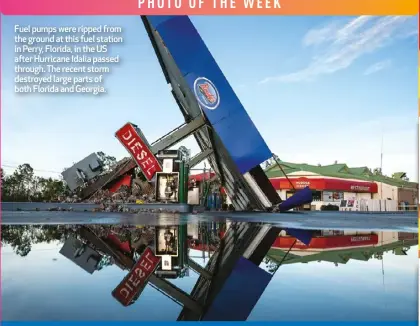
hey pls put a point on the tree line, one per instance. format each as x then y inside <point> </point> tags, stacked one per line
<point>21,238</point>
<point>23,185</point>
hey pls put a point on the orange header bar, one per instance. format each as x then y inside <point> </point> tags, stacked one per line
<point>210,7</point>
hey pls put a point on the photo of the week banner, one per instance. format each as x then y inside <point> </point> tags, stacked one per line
<point>217,4</point>
<point>211,7</point>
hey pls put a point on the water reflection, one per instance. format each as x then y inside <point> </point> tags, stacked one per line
<point>208,271</point>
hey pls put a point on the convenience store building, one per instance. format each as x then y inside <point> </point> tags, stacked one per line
<point>336,182</point>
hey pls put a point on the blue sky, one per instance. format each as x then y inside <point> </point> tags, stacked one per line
<point>319,89</point>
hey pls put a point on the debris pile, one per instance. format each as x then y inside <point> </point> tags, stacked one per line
<point>69,199</point>
<point>124,195</point>
<point>121,208</point>
<point>123,167</point>
<point>115,208</point>
<point>141,192</point>
<point>125,232</point>
<point>100,192</point>
<point>58,209</point>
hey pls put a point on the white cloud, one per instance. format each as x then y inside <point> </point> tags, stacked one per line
<point>337,46</point>
<point>377,67</point>
<point>320,35</point>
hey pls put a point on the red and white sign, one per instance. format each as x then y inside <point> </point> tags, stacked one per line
<point>325,184</point>
<point>139,151</point>
<point>201,176</point>
<point>137,278</point>
<point>340,241</point>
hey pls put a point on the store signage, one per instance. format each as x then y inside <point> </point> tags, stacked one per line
<point>360,188</point>
<point>136,280</point>
<point>326,242</point>
<point>360,238</point>
<point>325,184</point>
<point>139,151</point>
<point>302,184</point>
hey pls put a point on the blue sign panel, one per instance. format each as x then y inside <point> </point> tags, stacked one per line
<point>304,236</point>
<point>213,92</point>
<point>240,293</point>
<point>302,197</point>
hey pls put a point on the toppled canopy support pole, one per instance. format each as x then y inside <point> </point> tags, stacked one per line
<point>197,159</point>
<point>178,134</point>
<point>281,169</point>
<point>176,293</point>
<point>200,270</point>
<point>300,198</point>
<point>261,243</point>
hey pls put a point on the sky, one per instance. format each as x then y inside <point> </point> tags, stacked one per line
<point>319,89</point>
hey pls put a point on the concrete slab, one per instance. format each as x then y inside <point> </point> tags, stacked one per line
<point>82,207</point>
<point>339,221</point>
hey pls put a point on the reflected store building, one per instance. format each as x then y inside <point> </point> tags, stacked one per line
<point>339,247</point>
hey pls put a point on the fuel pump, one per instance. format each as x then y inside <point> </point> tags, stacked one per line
<point>171,246</point>
<point>167,181</point>
<point>171,183</point>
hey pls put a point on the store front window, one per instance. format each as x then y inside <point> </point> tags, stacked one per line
<point>331,196</point>
<point>316,195</point>
<point>289,194</point>
<point>327,233</point>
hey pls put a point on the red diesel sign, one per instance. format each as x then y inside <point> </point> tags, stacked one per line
<point>137,278</point>
<point>325,184</point>
<point>139,151</point>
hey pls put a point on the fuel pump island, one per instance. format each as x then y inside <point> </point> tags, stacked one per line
<point>213,114</point>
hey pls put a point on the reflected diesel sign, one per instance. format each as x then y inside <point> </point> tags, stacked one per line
<point>137,278</point>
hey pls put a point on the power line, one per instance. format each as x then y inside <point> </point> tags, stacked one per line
<point>36,170</point>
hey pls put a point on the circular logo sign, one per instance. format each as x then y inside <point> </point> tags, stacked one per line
<point>206,93</point>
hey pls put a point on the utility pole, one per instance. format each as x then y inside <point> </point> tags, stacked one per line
<point>382,155</point>
<point>382,151</point>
